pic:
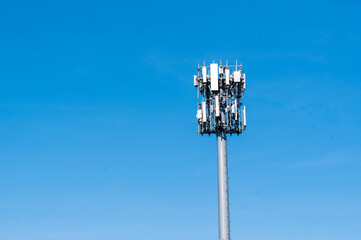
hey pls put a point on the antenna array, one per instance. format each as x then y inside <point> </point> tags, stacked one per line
<point>221,89</point>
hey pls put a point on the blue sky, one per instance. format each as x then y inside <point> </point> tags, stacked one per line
<point>98,128</point>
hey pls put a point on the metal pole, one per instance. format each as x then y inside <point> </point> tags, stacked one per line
<point>223,205</point>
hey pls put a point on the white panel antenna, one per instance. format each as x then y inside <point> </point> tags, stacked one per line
<point>199,114</point>
<point>195,81</point>
<point>214,77</point>
<point>237,76</point>
<point>204,74</point>
<point>216,105</point>
<point>204,112</point>
<point>244,81</point>
<point>220,70</point>
<point>227,76</point>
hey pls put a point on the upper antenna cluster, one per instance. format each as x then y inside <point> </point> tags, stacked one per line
<point>221,89</point>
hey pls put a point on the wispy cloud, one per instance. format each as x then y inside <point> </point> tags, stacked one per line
<point>167,64</point>
<point>343,156</point>
<point>314,58</point>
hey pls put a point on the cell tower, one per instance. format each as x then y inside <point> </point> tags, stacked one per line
<point>221,112</point>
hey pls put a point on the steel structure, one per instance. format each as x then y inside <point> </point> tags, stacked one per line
<point>221,112</point>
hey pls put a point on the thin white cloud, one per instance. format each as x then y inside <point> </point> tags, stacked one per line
<point>343,156</point>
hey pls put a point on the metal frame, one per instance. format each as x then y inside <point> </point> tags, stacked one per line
<point>229,96</point>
